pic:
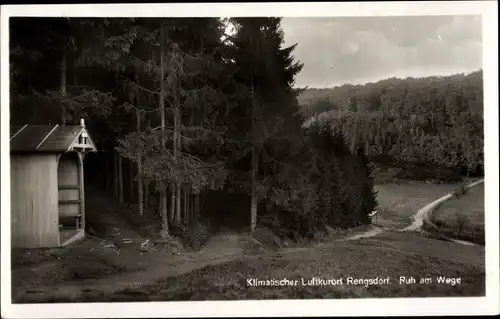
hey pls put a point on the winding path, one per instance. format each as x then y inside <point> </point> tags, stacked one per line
<point>423,214</point>
<point>369,233</point>
<point>418,219</point>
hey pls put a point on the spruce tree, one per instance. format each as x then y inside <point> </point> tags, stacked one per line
<point>264,76</point>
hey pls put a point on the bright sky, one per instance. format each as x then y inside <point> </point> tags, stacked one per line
<point>338,50</point>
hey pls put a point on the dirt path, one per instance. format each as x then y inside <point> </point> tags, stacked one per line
<point>399,204</point>
<point>463,242</point>
<point>94,288</point>
<point>418,219</point>
<point>370,233</point>
<point>221,248</point>
<point>422,214</point>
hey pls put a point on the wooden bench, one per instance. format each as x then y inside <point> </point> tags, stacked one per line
<point>374,214</point>
<point>68,218</point>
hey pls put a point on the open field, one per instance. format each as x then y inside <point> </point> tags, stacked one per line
<point>398,202</point>
<point>93,271</point>
<point>463,217</point>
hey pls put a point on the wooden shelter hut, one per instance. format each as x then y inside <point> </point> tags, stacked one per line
<point>47,184</point>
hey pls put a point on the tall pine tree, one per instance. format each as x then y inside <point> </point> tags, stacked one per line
<point>265,72</point>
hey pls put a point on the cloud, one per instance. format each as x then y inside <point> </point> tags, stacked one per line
<point>360,49</point>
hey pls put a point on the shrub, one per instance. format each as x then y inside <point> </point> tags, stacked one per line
<point>267,237</point>
<point>331,186</point>
<point>194,235</point>
<point>198,234</point>
<point>462,221</point>
<point>459,191</point>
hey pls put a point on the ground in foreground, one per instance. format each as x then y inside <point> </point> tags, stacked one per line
<point>389,255</point>
<point>92,271</point>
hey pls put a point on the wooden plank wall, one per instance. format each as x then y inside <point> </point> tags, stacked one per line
<point>34,201</point>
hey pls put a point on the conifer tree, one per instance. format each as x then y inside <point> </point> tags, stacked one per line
<point>265,73</point>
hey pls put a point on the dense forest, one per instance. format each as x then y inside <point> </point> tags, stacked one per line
<point>429,126</point>
<point>193,125</point>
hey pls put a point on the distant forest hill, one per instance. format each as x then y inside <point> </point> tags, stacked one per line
<point>338,97</point>
<point>421,122</point>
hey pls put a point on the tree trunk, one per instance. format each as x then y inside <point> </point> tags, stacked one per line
<point>109,173</point>
<point>253,202</point>
<point>146,196</point>
<point>139,169</point>
<point>146,184</point>
<point>177,149</point>
<point>125,178</point>
<point>199,206</point>
<point>171,212</point>
<point>131,188</point>
<point>120,178</point>
<point>186,207</point>
<point>163,192</point>
<point>64,68</point>
<point>178,184</point>
<point>193,208</point>
<point>173,186</point>
<point>201,203</point>
<point>254,168</point>
<point>116,179</point>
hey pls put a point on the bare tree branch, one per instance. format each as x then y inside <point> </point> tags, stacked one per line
<point>137,85</point>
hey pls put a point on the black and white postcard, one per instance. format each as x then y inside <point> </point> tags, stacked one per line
<point>249,159</point>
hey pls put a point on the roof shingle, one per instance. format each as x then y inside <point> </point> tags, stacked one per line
<point>60,139</point>
<point>43,138</point>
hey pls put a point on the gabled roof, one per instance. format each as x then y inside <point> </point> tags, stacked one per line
<point>48,138</point>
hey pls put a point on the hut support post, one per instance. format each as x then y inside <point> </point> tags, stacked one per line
<point>82,190</point>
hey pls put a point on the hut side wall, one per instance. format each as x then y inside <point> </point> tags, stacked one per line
<point>34,200</point>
